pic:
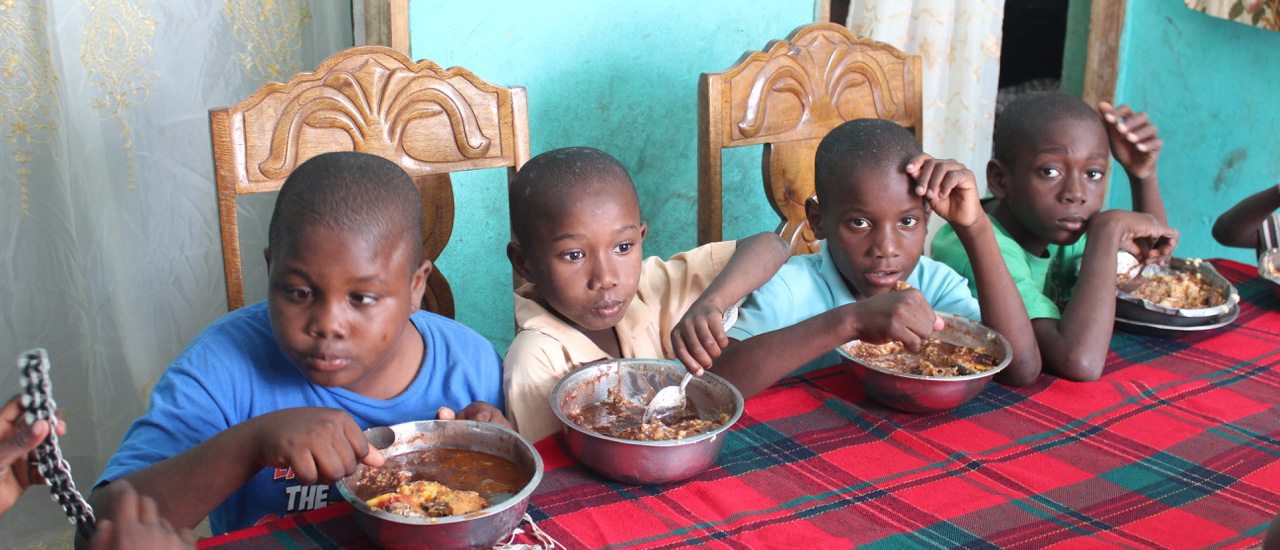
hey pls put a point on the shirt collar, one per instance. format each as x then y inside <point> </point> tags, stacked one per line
<point>531,315</point>
<point>840,293</point>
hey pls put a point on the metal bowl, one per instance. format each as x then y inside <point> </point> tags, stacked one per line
<point>1133,308</point>
<point>1269,266</point>
<point>925,394</point>
<point>481,529</point>
<point>644,462</point>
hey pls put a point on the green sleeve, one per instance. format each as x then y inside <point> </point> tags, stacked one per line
<point>1031,288</point>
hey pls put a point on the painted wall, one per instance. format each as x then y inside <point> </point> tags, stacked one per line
<point>1210,85</point>
<point>620,76</point>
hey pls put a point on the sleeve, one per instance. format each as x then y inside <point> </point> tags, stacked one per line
<point>533,365</point>
<point>676,283</point>
<point>949,292</point>
<point>1039,305</point>
<point>185,411</point>
<point>769,308</point>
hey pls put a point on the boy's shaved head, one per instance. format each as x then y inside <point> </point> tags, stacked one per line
<point>547,184</point>
<point>861,144</point>
<point>1024,117</point>
<point>349,192</point>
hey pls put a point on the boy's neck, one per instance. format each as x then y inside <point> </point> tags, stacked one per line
<point>606,340</point>
<point>1026,239</point>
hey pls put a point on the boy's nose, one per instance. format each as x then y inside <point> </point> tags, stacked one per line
<point>603,275</point>
<point>884,244</point>
<point>326,321</point>
<point>1073,191</point>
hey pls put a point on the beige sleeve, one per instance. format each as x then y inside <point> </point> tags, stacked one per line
<point>533,365</point>
<point>674,284</point>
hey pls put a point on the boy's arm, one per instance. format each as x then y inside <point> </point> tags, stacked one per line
<point>756,363</point>
<point>1239,226</point>
<point>952,192</point>
<point>1075,346</point>
<point>320,444</point>
<point>1137,147</point>
<point>699,336</point>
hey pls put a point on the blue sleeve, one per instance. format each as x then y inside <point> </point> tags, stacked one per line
<point>184,412</point>
<point>946,290</point>
<point>767,309</point>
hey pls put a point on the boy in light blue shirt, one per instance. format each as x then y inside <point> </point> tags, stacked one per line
<point>875,190</point>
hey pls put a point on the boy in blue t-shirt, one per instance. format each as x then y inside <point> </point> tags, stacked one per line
<point>265,408</point>
<point>875,190</point>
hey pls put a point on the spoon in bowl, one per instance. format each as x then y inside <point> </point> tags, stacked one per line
<point>671,398</point>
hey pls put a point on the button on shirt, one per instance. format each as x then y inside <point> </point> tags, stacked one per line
<point>809,285</point>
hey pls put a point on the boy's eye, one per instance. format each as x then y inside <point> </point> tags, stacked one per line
<point>364,299</point>
<point>908,221</point>
<point>624,248</point>
<point>1095,175</point>
<point>1050,172</point>
<point>298,294</point>
<point>860,223</point>
<point>573,255</point>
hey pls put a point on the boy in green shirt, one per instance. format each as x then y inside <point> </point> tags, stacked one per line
<point>1051,152</point>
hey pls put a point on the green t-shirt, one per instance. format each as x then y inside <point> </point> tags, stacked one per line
<point>1045,283</point>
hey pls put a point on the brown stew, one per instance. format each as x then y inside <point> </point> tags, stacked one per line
<point>439,482</point>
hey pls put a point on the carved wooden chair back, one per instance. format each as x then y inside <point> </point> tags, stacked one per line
<point>431,121</point>
<point>787,97</point>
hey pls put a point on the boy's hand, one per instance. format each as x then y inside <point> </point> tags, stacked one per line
<point>699,337</point>
<point>136,523</point>
<point>478,411</point>
<point>1133,139</point>
<point>949,187</point>
<point>17,440</point>
<point>1138,233</point>
<point>901,315</point>
<point>322,445</point>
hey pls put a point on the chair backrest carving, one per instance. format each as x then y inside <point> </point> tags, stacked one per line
<point>431,121</point>
<point>787,97</point>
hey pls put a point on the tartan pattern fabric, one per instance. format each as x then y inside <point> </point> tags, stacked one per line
<point>1175,447</point>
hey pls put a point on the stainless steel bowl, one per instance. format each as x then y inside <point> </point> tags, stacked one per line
<point>1133,308</point>
<point>644,462</point>
<point>481,529</point>
<point>925,394</point>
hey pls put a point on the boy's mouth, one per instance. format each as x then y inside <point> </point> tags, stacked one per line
<point>1072,224</point>
<point>884,278</point>
<point>325,362</point>
<point>607,308</point>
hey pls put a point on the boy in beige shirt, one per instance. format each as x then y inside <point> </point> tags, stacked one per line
<point>577,239</point>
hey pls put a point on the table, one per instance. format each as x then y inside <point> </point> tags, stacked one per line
<point>1175,447</point>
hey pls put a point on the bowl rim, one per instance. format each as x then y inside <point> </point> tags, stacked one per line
<point>521,495</point>
<point>559,389</point>
<point>1178,263</point>
<point>947,317</point>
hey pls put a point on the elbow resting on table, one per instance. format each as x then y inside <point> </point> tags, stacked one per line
<point>1079,367</point>
<point>1022,371</point>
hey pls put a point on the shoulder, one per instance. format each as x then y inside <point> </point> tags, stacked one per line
<point>533,357</point>
<point>932,272</point>
<point>452,342</point>
<point>239,338</point>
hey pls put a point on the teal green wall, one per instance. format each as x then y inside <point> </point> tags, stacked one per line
<point>1211,87</point>
<point>621,76</point>
<point>1076,47</point>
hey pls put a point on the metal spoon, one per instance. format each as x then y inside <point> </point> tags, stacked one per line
<point>380,437</point>
<point>667,401</point>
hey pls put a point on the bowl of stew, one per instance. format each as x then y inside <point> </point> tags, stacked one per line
<point>445,484</point>
<point>601,406</point>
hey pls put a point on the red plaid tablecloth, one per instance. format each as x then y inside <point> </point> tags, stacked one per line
<point>1175,447</point>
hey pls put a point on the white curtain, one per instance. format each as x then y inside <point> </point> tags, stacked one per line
<point>109,249</point>
<point>960,43</point>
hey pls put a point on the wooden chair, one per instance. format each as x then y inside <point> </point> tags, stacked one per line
<point>372,99</point>
<point>787,97</point>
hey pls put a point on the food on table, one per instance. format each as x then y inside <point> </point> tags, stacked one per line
<point>935,358</point>
<point>1181,290</point>
<point>622,418</point>
<point>439,483</point>
<point>418,499</point>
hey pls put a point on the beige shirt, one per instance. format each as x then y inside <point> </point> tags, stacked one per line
<point>545,348</point>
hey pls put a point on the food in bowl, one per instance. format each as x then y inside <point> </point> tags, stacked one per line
<point>935,358</point>
<point>617,416</point>
<point>1180,289</point>
<point>439,483</point>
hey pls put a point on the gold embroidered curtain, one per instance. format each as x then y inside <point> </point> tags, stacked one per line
<point>1259,13</point>
<point>109,250</point>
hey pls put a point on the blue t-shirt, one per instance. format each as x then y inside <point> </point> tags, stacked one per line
<point>234,371</point>
<point>809,285</point>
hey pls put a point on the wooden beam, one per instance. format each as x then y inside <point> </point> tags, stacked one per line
<point>386,23</point>
<point>1102,60</point>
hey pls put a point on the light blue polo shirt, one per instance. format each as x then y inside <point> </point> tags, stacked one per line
<point>810,284</point>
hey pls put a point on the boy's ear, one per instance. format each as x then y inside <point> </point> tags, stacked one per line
<point>266,254</point>
<point>814,213</point>
<point>644,230</point>
<point>418,285</point>
<point>997,178</point>
<point>518,262</point>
